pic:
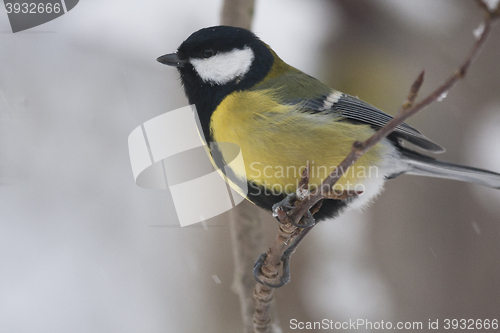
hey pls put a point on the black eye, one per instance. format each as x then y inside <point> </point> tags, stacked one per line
<point>207,53</point>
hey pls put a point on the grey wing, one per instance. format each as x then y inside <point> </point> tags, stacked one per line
<point>353,108</point>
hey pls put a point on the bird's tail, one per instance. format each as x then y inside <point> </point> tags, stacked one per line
<point>426,166</point>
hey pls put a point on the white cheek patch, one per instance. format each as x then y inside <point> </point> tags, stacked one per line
<point>224,67</point>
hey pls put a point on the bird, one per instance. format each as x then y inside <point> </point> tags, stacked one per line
<point>284,120</point>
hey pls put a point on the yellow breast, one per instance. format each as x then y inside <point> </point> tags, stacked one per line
<point>277,141</point>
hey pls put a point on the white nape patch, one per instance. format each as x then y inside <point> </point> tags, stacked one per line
<point>330,100</point>
<point>224,67</point>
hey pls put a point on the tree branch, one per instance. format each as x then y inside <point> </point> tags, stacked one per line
<point>406,111</point>
<point>305,202</point>
<point>246,226</point>
<point>238,13</point>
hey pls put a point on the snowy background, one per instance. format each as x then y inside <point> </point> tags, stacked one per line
<point>83,249</point>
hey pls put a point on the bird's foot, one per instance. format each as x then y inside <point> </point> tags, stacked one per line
<point>284,206</point>
<point>280,211</point>
<point>285,277</point>
<point>285,259</point>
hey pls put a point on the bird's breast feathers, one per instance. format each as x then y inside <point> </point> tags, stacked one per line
<point>278,140</point>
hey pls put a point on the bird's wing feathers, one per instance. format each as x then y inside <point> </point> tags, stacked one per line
<point>296,87</point>
<point>352,108</point>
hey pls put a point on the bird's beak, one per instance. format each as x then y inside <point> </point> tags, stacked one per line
<point>171,59</point>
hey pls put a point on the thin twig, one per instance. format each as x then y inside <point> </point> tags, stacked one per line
<point>287,232</point>
<point>263,294</point>
<point>406,111</point>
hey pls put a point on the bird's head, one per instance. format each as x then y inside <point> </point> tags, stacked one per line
<point>215,61</point>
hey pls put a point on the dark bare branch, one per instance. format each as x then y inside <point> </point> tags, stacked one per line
<point>312,201</point>
<point>406,111</point>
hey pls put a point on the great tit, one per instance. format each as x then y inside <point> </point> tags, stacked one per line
<point>283,119</point>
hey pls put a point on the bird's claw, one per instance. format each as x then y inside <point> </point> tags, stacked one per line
<point>308,221</point>
<point>284,279</point>
<point>287,204</point>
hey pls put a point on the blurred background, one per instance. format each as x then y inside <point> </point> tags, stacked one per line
<point>83,249</point>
